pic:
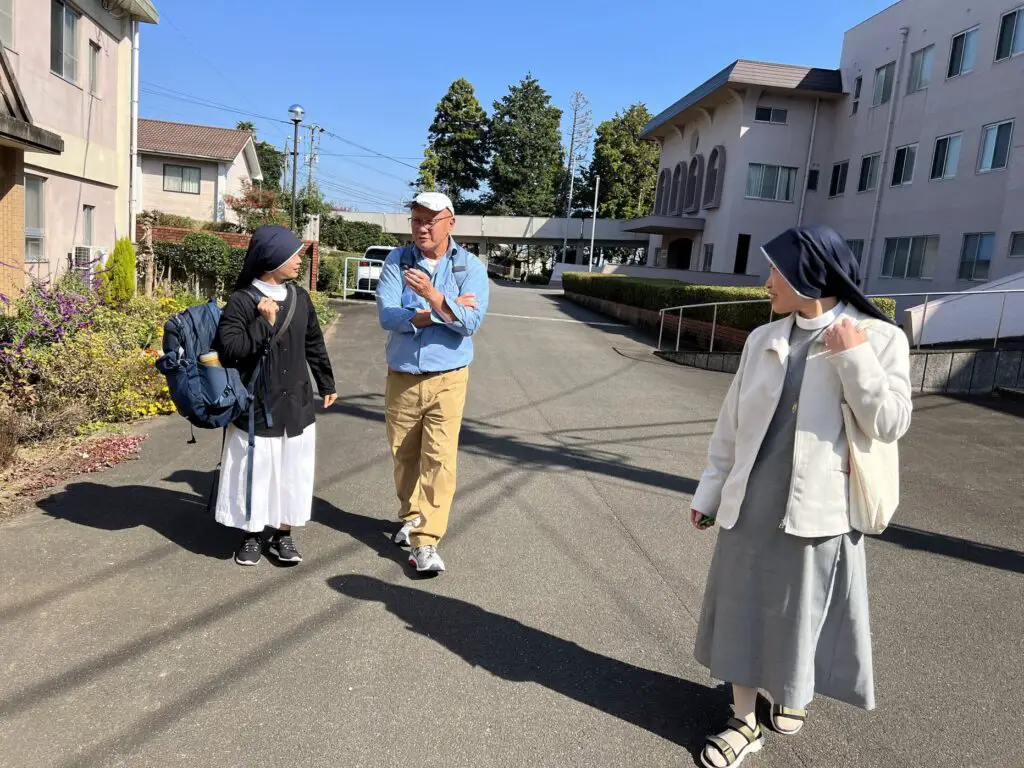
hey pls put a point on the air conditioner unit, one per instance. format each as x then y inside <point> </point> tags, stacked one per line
<point>87,260</point>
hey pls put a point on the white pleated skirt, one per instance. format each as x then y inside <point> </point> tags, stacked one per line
<point>282,482</point>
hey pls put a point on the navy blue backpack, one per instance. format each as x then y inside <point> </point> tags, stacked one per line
<point>212,397</point>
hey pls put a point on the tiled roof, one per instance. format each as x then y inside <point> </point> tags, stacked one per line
<point>757,73</point>
<point>184,140</point>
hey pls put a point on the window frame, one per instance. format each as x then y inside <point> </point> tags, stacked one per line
<point>1018,33</point>
<point>974,261</point>
<point>778,182</point>
<point>905,182</point>
<point>858,85</point>
<point>857,252</point>
<point>1009,252</point>
<point>771,116</point>
<point>181,177</point>
<point>935,148</point>
<point>910,249</point>
<point>35,233</point>
<point>889,71</point>
<point>981,148</point>
<point>708,257</point>
<point>68,10</point>
<point>813,179</point>
<point>88,224</point>
<point>95,52</point>
<point>877,157</point>
<point>9,14</point>
<point>975,30</point>
<point>922,84</point>
<point>844,177</point>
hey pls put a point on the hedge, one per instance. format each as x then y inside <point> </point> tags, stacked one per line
<point>656,294</point>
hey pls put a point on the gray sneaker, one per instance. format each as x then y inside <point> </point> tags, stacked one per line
<point>426,560</point>
<point>402,537</point>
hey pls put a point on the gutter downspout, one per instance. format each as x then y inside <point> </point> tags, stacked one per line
<point>882,171</point>
<point>133,177</point>
<point>807,168</point>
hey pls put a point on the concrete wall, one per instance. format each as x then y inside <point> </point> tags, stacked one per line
<point>235,174</point>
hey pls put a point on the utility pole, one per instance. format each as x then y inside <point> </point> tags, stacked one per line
<point>578,141</point>
<point>593,226</point>
<point>314,131</point>
<point>287,165</point>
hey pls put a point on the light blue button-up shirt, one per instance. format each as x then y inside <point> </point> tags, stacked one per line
<point>442,346</point>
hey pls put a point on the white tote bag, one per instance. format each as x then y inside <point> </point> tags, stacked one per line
<point>874,478</point>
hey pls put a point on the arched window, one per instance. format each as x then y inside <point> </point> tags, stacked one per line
<point>659,194</point>
<point>694,185</point>
<point>678,187</point>
<point>715,177</point>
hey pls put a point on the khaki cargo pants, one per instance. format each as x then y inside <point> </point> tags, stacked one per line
<point>423,414</point>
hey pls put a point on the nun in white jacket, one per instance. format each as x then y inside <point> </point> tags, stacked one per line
<point>786,604</point>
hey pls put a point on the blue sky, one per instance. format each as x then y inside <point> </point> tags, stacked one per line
<point>372,72</point>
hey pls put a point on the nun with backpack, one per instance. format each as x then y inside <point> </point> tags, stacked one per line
<point>269,331</point>
<point>801,464</point>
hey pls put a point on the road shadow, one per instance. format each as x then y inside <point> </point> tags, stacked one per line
<point>678,710</point>
<point>951,546</point>
<point>179,516</point>
<point>478,437</point>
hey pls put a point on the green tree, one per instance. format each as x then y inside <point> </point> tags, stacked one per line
<point>627,165</point>
<point>246,125</point>
<point>458,140</point>
<point>427,180</point>
<point>271,158</point>
<point>528,158</point>
<point>117,281</point>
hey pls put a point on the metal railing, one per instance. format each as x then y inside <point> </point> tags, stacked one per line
<point>371,263</point>
<point>920,335</point>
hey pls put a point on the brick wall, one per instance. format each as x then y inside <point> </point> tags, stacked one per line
<point>12,221</point>
<point>234,240</point>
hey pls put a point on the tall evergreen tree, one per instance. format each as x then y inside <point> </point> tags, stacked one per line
<point>528,157</point>
<point>627,165</point>
<point>427,180</point>
<point>457,142</point>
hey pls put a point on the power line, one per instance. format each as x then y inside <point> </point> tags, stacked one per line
<point>384,155</point>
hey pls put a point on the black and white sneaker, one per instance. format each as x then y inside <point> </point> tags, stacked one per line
<point>250,551</point>
<point>283,547</point>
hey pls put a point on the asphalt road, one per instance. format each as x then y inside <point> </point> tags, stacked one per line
<point>562,634</point>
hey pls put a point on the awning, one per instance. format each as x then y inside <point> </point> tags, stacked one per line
<point>27,137</point>
<point>664,225</point>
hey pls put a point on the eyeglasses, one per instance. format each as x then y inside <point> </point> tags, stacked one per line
<point>414,222</point>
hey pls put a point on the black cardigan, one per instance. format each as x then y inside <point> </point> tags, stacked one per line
<point>241,337</point>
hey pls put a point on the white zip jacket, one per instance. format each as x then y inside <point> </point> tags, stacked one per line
<point>873,378</point>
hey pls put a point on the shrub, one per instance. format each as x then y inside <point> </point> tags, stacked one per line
<point>205,255</point>
<point>354,236</point>
<point>322,306</point>
<point>117,280</point>
<point>331,271</point>
<point>174,220</point>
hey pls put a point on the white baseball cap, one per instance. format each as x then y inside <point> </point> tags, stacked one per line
<point>433,201</point>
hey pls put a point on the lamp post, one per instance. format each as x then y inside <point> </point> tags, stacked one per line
<point>296,113</point>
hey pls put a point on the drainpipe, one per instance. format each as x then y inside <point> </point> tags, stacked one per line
<point>133,181</point>
<point>884,167</point>
<point>810,153</point>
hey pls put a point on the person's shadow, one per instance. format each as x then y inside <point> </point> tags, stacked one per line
<point>179,516</point>
<point>675,709</point>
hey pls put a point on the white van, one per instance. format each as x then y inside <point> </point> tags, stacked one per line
<point>369,268</point>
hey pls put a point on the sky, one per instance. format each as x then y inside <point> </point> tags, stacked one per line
<point>371,73</point>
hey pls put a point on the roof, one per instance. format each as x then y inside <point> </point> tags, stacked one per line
<point>204,142</point>
<point>810,80</point>
<point>143,10</point>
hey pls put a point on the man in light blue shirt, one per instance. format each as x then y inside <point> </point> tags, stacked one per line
<point>431,298</point>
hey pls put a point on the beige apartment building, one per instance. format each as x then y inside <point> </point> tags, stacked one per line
<point>77,64</point>
<point>912,150</point>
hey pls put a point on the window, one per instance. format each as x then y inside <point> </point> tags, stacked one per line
<point>715,177</point>
<point>921,69</point>
<point>976,256</point>
<point>34,219</point>
<point>742,255</point>
<point>87,213</point>
<point>837,186</point>
<point>995,146</point>
<point>963,53</point>
<point>1017,245</point>
<point>771,115</point>
<point>946,157</point>
<point>857,248</point>
<point>7,22</point>
<point>903,165</point>
<point>181,178</point>
<point>1011,35</point>
<point>883,84</point>
<point>812,180</point>
<point>94,68</point>
<point>771,182</point>
<point>63,41</point>
<point>857,85</point>
<point>910,257</point>
<point>869,168</point>
<point>709,257</point>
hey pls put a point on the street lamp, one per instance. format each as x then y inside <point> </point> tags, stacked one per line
<point>296,113</point>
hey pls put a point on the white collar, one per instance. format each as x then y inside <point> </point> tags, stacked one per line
<point>821,321</point>
<point>276,292</point>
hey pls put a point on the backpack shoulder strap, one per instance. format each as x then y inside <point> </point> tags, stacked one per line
<point>288,315</point>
